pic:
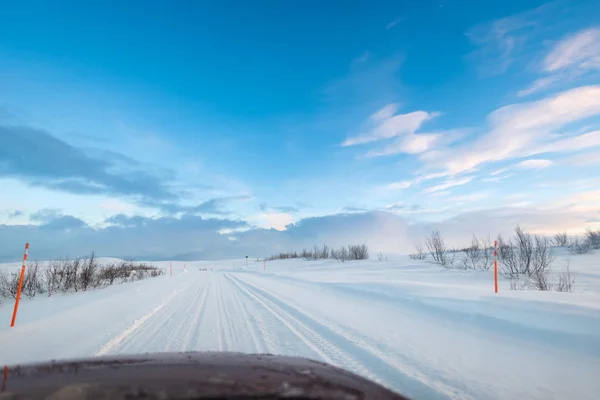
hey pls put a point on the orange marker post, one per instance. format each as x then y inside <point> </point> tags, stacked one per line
<point>18,298</point>
<point>495,266</point>
<point>5,378</point>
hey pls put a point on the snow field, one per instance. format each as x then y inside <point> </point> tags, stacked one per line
<point>418,329</point>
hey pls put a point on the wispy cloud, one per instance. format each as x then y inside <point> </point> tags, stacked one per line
<point>572,57</point>
<point>500,43</point>
<point>394,23</point>
<point>534,164</point>
<point>497,178</point>
<point>581,50</point>
<point>448,184</point>
<point>525,129</point>
<point>400,185</point>
<point>385,125</point>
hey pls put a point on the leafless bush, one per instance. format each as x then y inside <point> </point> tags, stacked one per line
<point>593,238</point>
<point>341,254</point>
<point>381,257</point>
<point>9,284</point>
<point>566,281</point>
<point>517,284</point>
<point>419,253</point>
<point>88,274</point>
<point>561,239</point>
<point>579,246</point>
<point>528,255</point>
<point>504,248</point>
<point>437,248</point>
<point>473,254</point>
<point>33,280</point>
<point>67,275</point>
<point>358,252</point>
<point>487,254</point>
<point>540,280</point>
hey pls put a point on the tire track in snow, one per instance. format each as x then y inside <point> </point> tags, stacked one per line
<point>328,352</point>
<point>137,324</point>
<point>194,302</point>
<point>356,348</point>
<point>252,321</point>
<point>195,321</point>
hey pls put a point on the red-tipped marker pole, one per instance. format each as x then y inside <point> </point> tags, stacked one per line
<point>14,316</point>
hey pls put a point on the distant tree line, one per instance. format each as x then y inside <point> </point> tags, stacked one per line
<point>343,253</point>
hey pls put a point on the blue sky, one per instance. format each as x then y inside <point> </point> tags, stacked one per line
<point>251,126</point>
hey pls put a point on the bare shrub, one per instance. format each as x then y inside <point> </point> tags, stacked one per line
<point>579,246</point>
<point>566,281</point>
<point>341,254</point>
<point>437,248</point>
<point>486,254</point>
<point>561,239</point>
<point>381,257</point>
<point>540,280</point>
<point>419,253</point>
<point>593,238</point>
<point>503,248</point>
<point>9,284</point>
<point>529,255</point>
<point>473,254</point>
<point>33,280</point>
<point>88,274</point>
<point>358,252</point>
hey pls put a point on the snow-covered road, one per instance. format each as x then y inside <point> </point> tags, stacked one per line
<point>393,337</point>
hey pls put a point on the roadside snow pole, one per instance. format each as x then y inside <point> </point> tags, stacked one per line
<point>246,261</point>
<point>5,378</point>
<point>495,266</point>
<point>265,266</point>
<point>171,267</point>
<point>14,316</point>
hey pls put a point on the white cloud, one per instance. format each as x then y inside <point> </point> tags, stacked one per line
<point>581,142</point>
<point>497,178</point>
<point>575,55</point>
<point>384,125</point>
<point>394,23</point>
<point>117,206</point>
<point>521,129</point>
<point>537,85</point>
<point>580,50</point>
<point>582,159</point>
<point>410,144</point>
<point>400,185</point>
<point>448,184</point>
<point>498,171</point>
<point>276,220</point>
<point>534,164</point>
<point>416,181</point>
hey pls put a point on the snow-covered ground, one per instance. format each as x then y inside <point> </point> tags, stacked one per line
<point>426,332</point>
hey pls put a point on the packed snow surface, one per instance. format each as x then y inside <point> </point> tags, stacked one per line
<point>410,325</point>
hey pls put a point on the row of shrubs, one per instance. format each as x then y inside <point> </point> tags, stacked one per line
<point>525,259</point>
<point>73,275</point>
<point>343,253</point>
